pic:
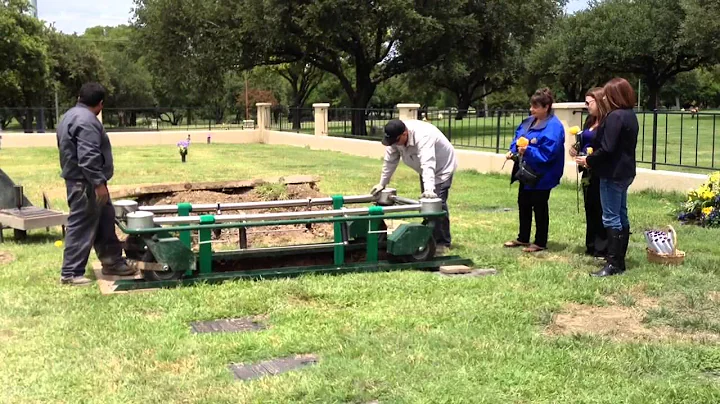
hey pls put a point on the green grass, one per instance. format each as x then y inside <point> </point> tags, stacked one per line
<point>406,336</point>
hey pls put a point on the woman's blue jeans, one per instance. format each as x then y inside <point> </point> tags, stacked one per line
<point>613,196</point>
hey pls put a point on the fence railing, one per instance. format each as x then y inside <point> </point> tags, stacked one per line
<point>299,120</point>
<point>666,138</point>
<point>677,139</point>
<point>39,120</point>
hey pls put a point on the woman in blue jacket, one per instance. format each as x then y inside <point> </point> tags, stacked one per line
<point>545,156</point>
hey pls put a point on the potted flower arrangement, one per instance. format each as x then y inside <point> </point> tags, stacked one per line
<point>183,148</point>
<point>703,204</point>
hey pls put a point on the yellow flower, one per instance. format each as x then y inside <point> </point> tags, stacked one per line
<point>574,130</point>
<point>707,211</point>
<point>59,243</point>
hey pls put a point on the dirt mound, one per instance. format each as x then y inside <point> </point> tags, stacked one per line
<point>257,236</point>
<point>6,258</point>
<point>619,323</point>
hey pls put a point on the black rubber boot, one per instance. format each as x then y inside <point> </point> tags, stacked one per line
<point>625,241</point>
<point>615,255</point>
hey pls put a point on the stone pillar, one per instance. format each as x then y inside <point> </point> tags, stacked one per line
<point>321,119</point>
<point>570,114</point>
<point>263,115</point>
<point>408,111</point>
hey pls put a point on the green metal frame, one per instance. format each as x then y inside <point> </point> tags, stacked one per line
<point>218,277</point>
<point>364,228</point>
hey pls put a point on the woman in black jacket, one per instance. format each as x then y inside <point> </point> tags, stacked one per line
<point>613,159</point>
<point>595,234</point>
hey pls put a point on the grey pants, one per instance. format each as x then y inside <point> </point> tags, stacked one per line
<point>441,231</point>
<point>88,226</point>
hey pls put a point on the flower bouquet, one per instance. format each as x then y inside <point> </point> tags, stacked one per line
<point>703,204</point>
<point>183,148</point>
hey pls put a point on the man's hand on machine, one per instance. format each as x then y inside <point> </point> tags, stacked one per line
<point>376,189</point>
<point>429,195</point>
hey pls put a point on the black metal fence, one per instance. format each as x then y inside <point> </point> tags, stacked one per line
<point>40,120</point>
<point>677,139</point>
<point>667,139</point>
<point>299,120</point>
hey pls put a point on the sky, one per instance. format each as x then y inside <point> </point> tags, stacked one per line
<point>74,16</point>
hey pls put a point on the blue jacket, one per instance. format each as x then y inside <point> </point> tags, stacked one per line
<point>546,152</point>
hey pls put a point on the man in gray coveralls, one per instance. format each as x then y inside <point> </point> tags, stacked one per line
<point>87,165</point>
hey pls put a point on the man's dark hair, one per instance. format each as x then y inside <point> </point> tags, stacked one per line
<point>91,94</point>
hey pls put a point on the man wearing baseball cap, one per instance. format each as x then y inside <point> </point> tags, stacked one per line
<point>425,149</point>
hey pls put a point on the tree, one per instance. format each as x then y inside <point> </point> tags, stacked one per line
<point>127,73</point>
<point>558,60</point>
<point>361,43</point>
<point>74,62</point>
<point>656,39</point>
<point>24,65</point>
<point>173,36</point>
<point>489,46</point>
<point>303,78</point>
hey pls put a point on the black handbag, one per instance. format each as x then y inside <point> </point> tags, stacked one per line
<point>526,175</point>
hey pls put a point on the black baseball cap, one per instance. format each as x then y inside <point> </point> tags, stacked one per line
<point>393,130</point>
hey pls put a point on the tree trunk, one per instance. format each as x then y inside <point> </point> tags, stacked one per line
<point>360,101</point>
<point>653,94</point>
<point>27,122</point>
<point>464,100</point>
<point>133,119</point>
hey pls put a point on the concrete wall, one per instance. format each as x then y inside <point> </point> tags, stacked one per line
<point>484,162</point>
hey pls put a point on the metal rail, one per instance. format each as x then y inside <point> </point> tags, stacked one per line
<point>233,225</point>
<point>258,217</point>
<point>292,203</point>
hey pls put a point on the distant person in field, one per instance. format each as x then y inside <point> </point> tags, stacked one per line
<point>425,149</point>
<point>540,145</point>
<point>595,233</point>
<point>613,159</point>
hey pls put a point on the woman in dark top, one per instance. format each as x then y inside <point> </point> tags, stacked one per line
<point>613,159</point>
<point>595,234</point>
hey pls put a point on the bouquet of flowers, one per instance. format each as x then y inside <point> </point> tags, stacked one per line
<point>183,148</point>
<point>703,204</point>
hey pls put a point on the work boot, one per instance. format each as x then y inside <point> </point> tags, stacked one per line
<point>441,249</point>
<point>615,259</point>
<point>121,269</point>
<point>76,281</point>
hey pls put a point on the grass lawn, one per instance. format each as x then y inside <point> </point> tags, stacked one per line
<point>406,336</point>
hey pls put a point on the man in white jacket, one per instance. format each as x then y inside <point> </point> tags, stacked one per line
<point>425,149</point>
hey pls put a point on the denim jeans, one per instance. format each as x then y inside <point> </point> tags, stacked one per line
<point>613,196</point>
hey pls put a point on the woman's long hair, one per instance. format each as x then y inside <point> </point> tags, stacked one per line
<point>619,94</point>
<point>603,108</point>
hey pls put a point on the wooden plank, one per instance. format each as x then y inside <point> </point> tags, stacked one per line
<point>106,283</point>
<point>455,269</point>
